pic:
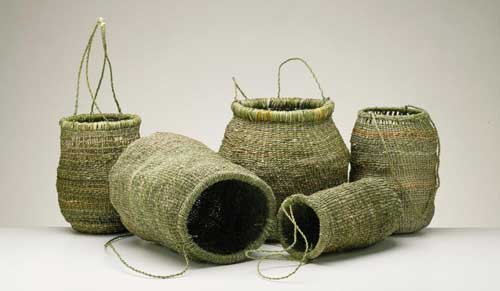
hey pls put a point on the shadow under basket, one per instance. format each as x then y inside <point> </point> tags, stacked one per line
<point>175,191</point>
<point>90,145</point>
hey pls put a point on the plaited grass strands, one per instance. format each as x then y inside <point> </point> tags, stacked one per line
<point>90,144</point>
<point>175,191</point>
<point>291,143</point>
<point>399,143</point>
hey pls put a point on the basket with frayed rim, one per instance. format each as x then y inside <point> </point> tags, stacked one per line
<point>399,143</point>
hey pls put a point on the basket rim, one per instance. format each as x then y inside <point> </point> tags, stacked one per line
<point>201,254</point>
<point>416,113</point>
<point>74,122</point>
<point>247,109</point>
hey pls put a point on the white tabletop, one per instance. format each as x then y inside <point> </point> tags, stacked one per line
<point>433,259</point>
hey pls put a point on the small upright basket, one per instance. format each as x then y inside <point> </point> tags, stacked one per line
<point>399,143</point>
<point>291,143</point>
<point>90,145</point>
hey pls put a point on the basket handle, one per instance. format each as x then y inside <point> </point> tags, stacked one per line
<point>85,58</point>
<point>280,254</point>
<point>310,70</point>
<point>237,89</point>
<point>126,264</point>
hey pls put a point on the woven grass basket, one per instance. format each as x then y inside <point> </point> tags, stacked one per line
<point>175,191</point>
<point>401,143</point>
<point>348,216</point>
<point>90,145</point>
<point>291,143</point>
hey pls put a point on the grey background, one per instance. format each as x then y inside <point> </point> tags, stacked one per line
<point>173,62</point>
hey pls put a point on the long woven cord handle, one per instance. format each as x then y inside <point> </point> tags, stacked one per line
<point>237,89</point>
<point>85,58</point>
<point>281,253</point>
<point>126,264</point>
<point>102,25</point>
<point>310,70</point>
<point>393,167</point>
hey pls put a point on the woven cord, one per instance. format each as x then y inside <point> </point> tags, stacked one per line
<point>236,89</point>
<point>85,58</point>
<point>102,25</point>
<point>310,70</point>
<point>126,264</point>
<point>393,167</point>
<point>282,253</point>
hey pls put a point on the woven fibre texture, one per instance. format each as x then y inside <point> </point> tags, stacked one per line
<point>303,153</point>
<point>90,145</point>
<point>177,192</point>
<point>349,216</point>
<point>410,156</point>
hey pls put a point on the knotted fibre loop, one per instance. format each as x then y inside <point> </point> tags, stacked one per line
<point>400,143</point>
<point>135,269</point>
<point>85,58</point>
<point>310,70</point>
<point>277,254</point>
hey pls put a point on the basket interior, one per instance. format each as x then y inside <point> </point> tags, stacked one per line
<point>91,118</point>
<point>228,216</point>
<point>308,222</point>
<point>404,111</point>
<point>283,104</point>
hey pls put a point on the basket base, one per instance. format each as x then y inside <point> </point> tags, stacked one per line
<point>108,228</point>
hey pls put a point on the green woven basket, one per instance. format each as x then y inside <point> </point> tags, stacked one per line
<point>175,191</point>
<point>90,144</point>
<point>400,143</point>
<point>291,143</point>
<point>348,216</point>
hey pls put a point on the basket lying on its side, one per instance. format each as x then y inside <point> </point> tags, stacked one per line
<point>175,191</point>
<point>400,144</point>
<point>90,144</point>
<point>348,216</point>
<point>291,143</point>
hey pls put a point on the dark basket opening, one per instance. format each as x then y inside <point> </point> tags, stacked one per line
<point>228,216</point>
<point>308,222</point>
<point>91,118</point>
<point>283,104</point>
<point>403,111</point>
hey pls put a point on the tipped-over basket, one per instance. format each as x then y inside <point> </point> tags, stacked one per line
<point>175,191</point>
<point>349,216</point>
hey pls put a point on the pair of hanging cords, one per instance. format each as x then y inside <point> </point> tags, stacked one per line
<point>282,253</point>
<point>237,88</point>
<point>85,59</point>
<point>126,264</point>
